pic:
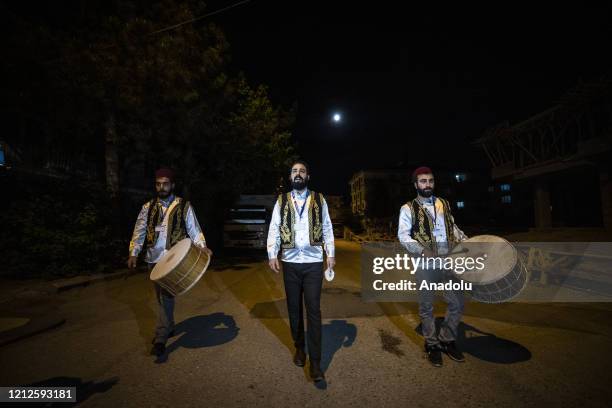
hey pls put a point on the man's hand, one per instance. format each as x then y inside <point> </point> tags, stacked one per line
<point>132,260</point>
<point>331,262</point>
<point>274,265</point>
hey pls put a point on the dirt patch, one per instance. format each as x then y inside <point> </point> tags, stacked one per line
<point>389,343</point>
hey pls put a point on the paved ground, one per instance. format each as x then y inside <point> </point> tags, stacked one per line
<point>232,347</point>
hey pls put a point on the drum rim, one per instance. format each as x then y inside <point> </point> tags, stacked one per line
<point>516,259</point>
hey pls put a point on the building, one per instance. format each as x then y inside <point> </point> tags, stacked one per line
<point>377,195</point>
<point>558,161</point>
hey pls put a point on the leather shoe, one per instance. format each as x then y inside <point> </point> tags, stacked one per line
<point>315,371</point>
<point>171,334</point>
<point>299,359</point>
<point>158,349</point>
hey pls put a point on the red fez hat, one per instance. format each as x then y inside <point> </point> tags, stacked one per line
<point>419,171</point>
<point>164,172</point>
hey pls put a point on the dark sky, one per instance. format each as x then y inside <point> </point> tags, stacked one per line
<point>413,85</point>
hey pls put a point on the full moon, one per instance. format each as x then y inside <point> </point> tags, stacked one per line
<point>337,117</point>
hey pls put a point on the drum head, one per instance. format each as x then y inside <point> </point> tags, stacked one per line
<point>500,257</point>
<point>171,259</point>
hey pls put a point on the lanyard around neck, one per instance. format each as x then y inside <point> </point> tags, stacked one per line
<point>163,209</point>
<point>433,203</point>
<point>299,210</point>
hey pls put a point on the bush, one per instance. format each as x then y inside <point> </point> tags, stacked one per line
<point>56,228</point>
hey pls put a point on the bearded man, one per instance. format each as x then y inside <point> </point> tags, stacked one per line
<point>301,228</point>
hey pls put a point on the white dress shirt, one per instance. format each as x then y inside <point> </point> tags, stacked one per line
<point>439,226</point>
<point>303,251</point>
<point>158,250</point>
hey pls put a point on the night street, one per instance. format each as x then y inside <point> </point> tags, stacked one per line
<point>181,179</point>
<point>232,347</point>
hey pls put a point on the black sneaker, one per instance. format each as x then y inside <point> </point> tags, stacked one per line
<point>434,355</point>
<point>299,359</point>
<point>451,350</point>
<point>158,349</point>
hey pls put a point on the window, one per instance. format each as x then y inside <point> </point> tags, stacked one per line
<point>504,187</point>
<point>507,199</point>
<point>460,177</point>
<point>460,204</point>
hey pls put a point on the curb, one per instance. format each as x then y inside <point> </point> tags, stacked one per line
<point>61,285</point>
<point>43,323</point>
<point>33,327</point>
<point>81,281</point>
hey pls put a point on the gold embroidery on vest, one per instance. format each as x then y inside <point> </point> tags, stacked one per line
<point>448,224</point>
<point>316,225</point>
<point>421,235</point>
<point>287,220</point>
<point>152,222</point>
<point>173,235</point>
<point>176,234</point>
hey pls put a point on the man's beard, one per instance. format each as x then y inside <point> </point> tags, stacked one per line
<point>428,192</point>
<point>298,183</point>
<point>164,194</point>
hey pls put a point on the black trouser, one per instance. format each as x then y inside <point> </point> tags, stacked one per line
<point>306,279</point>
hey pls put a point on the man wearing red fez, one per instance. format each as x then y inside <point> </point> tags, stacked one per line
<point>162,222</point>
<point>426,227</point>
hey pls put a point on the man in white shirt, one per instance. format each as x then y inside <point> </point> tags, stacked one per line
<point>161,223</point>
<point>426,227</point>
<point>301,227</point>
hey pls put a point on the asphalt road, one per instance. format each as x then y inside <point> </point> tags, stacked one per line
<point>233,348</point>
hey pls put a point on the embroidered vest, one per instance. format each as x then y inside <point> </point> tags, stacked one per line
<point>422,224</point>
<point>288,214</point>
<point>176,229</point>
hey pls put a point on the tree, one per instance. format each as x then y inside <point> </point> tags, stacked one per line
<point>127,95</point>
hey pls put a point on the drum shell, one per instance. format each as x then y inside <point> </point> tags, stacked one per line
<point>504,289</point>
<point>505,275</point>
<point>186,273</point>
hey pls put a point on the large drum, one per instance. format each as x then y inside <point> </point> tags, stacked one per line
<point>504,275</point>
<point>181,267</point>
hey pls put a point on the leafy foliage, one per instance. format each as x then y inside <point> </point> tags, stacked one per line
<point>112,85</point>
<point>56,228</point>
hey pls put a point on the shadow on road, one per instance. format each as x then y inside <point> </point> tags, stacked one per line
<point>489,347</point>
<point>139,302</point>
<point>204,331</point>
<point>486,346</point>
<point>84,390</point>
<point>336,334</point>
